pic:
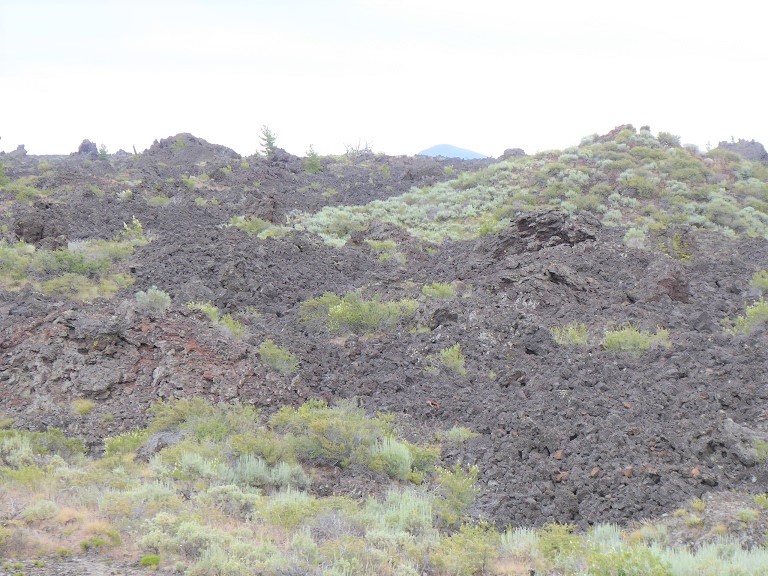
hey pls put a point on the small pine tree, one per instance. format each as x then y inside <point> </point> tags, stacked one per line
<point>312,165</point>
<point>268,139</point>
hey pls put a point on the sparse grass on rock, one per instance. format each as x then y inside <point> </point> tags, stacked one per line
<point>633,341</point>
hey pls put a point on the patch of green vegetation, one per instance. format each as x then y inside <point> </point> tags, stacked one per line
<point>226,322</point>
<point>747,515</point>
<point>158,201</point>
<point>453,359</point>
<point>150,561</point>
<point>82,406</point>
<point>278,358</point>
<point>754,316</point>
<point>352,313</point>
<point>634,341</point>
<point>83,270</point>
<point>439,290</point>
<point>268,141</point>
<point>762,501</point>
<point>635,180</point>
<point>258,227</point>
<point>761,451</point>
<point>312,164</point>
<point>153,302</point>
<point>23,188</point>
<point>759,281</point>
<point>457,435</point>
<point>572,334</point>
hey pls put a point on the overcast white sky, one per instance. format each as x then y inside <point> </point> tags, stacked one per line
<point>401,75</point>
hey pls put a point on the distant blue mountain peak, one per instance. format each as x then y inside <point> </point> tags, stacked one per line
<point>450,151</point>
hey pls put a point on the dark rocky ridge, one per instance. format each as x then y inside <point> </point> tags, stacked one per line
<point>568,434</point>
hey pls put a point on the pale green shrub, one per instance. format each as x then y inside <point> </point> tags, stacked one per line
<point>154,302</point>
<point>391,457</point>
<point>634,341</point>
<point>472,550</point>
<point>453,359</point>
<point>286,474</point>
<point>439,290</point>
<point>456,492</point>
<point>278,358</point>
<point>225,322</point>
<point>572,334</point>
<point>754,316</point>
<point>39,511</point>
<point>457,435</point>
<point>351,313</point>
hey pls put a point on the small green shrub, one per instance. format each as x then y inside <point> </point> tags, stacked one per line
<point>635,238</point>
<point>125,443</point>
<point>154,302</point>
<point>472,550</point>
<point>391,457</point>
<point>754,317</point>
<point>82,406</point>
<point>559,540</point>
<point>627,561</point>
<point>747,515</point>
<point>225,322</point>
<point>457,492</point>
<point>158,201</point>
<point>761,451</point>
<point>351,313</point>
<point>252,226</point>
<point>572,334</point>
<point>453,359</point>
<point>634,341</point>
<point>278,358</point>
<point>39,511</point>
<point>150,561</point>
<point>439,290</point>
<point>762,501</point>
<point>457,435</point>
<point>760,281</point>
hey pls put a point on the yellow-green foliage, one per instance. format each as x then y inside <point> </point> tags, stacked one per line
<point>158,201</point>
<point>255,226</point>
<point>760,280</point>
<point>82,406</point>
<point>23,188</point>
<point>439,290</point>
<point>761,451</point>
<point>453,359</point>
<point>82,270</point>
<point>572,334</point>
<point>252,226</point>
<point>458,492</point>
<point>226,322</point>
<point>762,501</point>
<point>457,435</point>
<point>472,550</point>
<point>386,249</point>
<point>278,358</point>
<point>633,341</point>
<point>754,317</point>
<point>352,313</point>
